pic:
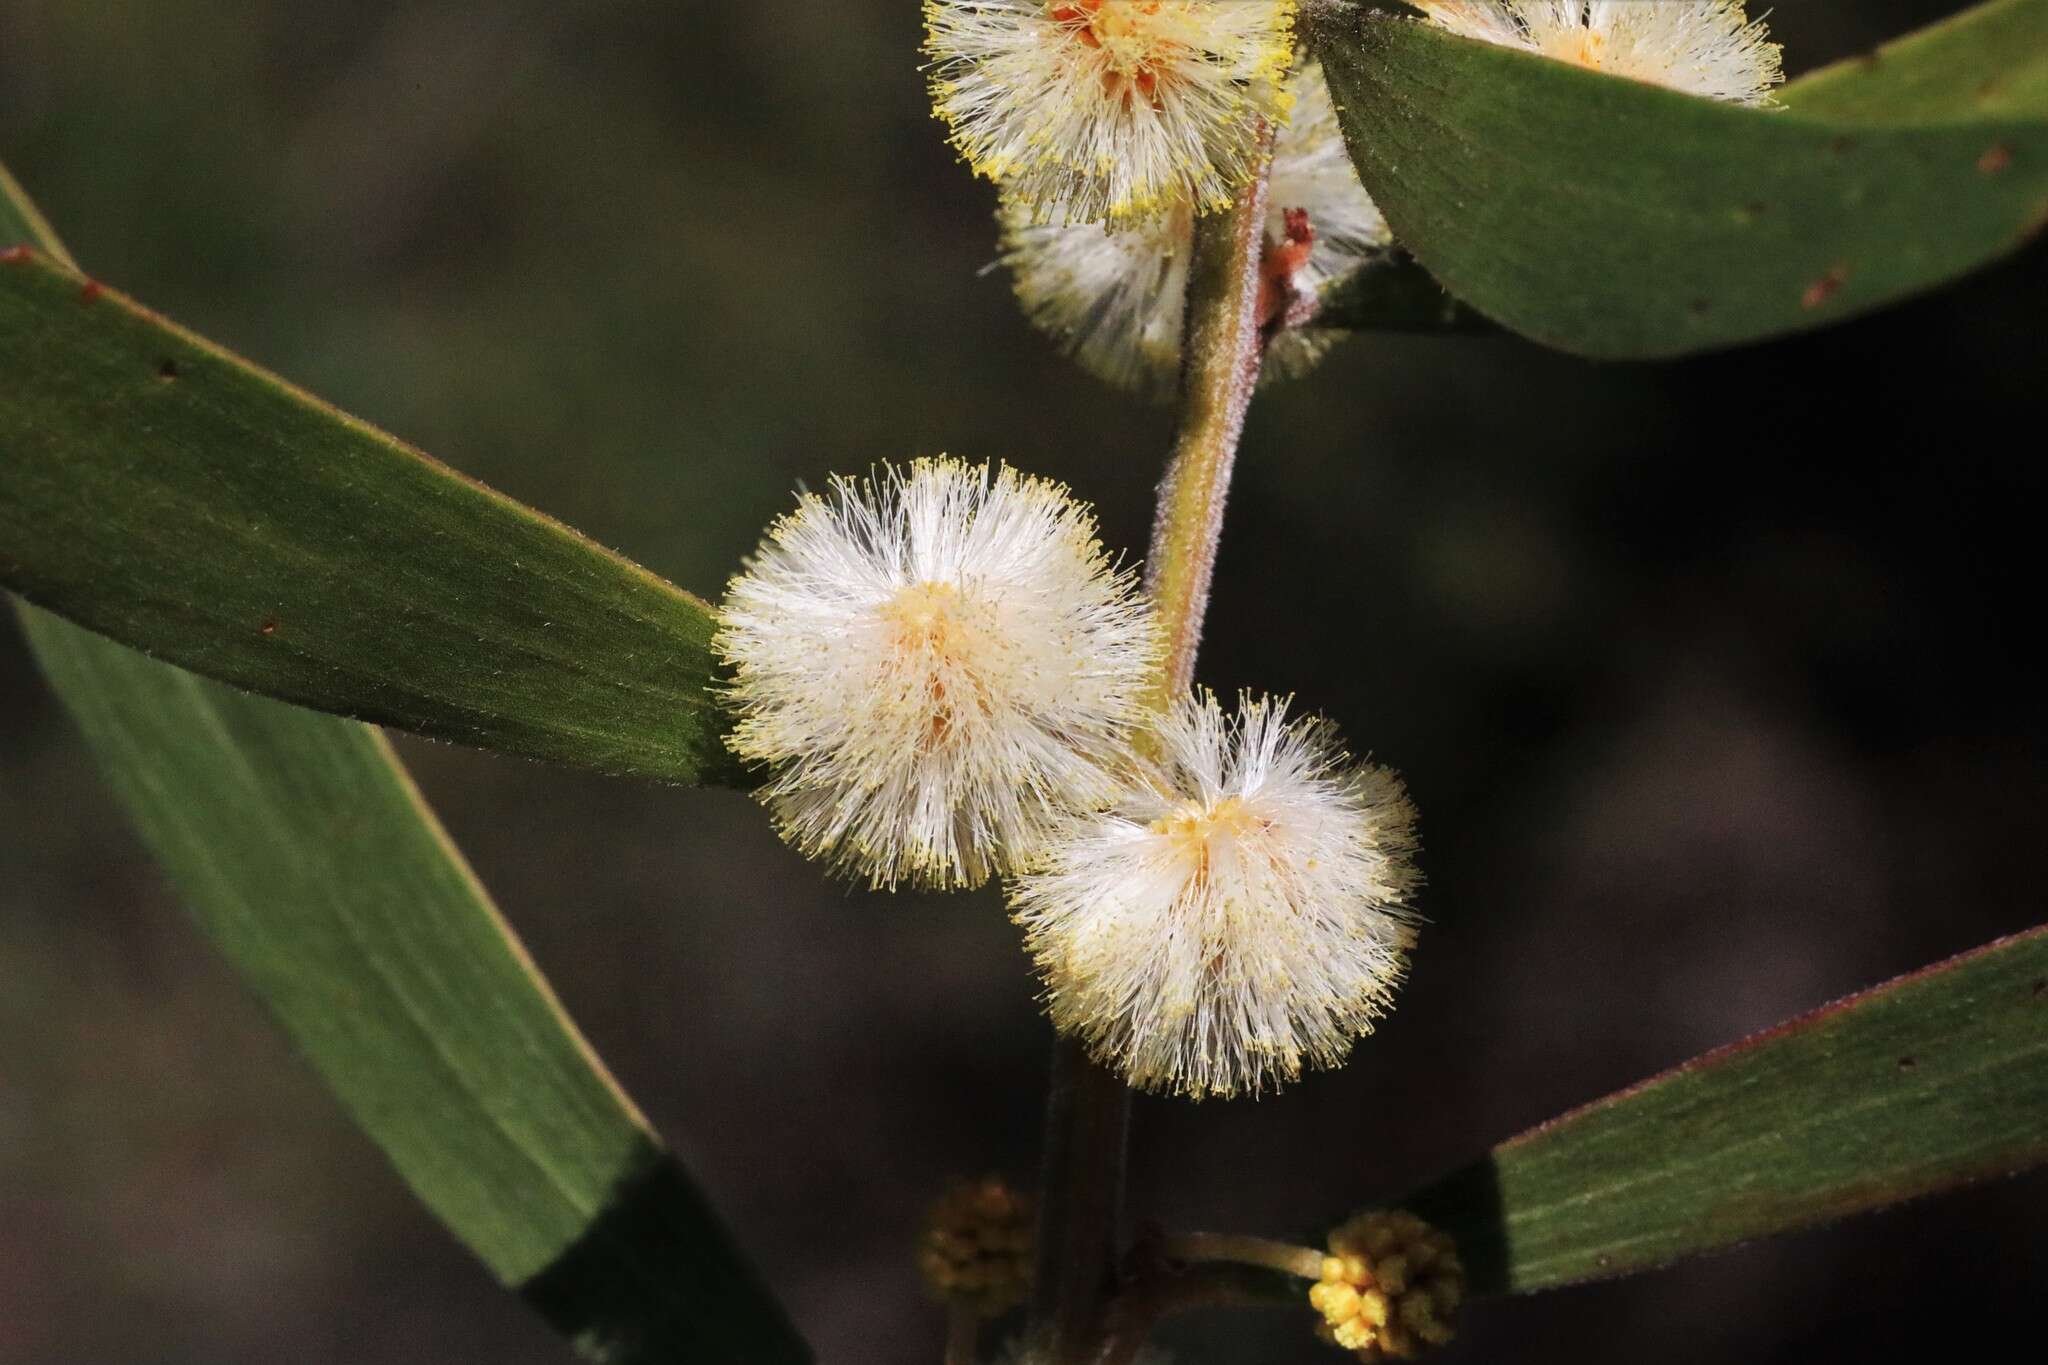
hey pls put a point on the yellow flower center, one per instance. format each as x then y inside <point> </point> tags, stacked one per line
<point>1125,32</point>
<point>1195,824</point>
<point>1199,823</point>
<point>926,627</point>
<point>1583,47</point>
<point>922,614</point>
<point>1194,828</point>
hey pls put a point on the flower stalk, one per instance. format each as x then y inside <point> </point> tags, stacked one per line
<point>1219,370</point>
<point>1081,1208</point>
<point>1088,1112</point>
<point>1191,1271</point>
<point>1304,1263</point>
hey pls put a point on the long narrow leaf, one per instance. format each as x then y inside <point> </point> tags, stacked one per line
<point>309,858</point>
<point>1619,219</point>
<point>1990,60</point>
<point>176,498</point>
<point>1922,1084</point>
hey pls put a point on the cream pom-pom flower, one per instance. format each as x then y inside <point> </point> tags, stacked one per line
<point>1116,301</point>
<point>1085,110</point>
<point>936,662</point>
<point>1702,47</point>
<point>1241,909</point>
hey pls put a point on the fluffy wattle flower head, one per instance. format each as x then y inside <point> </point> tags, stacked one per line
<point>1239,911</point>
<point>1085,110</point>
<point>1702,47</point>
<point>935,662</point>
<point>1116,301</point>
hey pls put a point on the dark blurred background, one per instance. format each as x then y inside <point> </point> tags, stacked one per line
<point>1718,685</point>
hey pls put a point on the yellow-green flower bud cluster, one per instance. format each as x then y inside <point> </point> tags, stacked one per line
<point>1390,1287</point>
<point>978,1245</point>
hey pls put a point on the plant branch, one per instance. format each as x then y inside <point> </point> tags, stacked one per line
<point>1219,369</point>
<point>1081,1204</point>
<point>1081,1191</point>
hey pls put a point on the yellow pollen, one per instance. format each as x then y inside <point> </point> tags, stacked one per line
<point>1587,49</point>
<point>927,630</point>
<point>1195,824</point>
<point>1127,33</point>
<point>922,614</point>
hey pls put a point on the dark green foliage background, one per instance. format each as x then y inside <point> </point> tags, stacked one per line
<point>1712,680</point>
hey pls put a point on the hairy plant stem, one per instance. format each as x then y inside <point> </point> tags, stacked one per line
<point>1081,1187</point>
<point>1220,361</point>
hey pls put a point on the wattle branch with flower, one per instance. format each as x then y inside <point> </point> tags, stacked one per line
<point>949,681</point>
<point>936,676</point>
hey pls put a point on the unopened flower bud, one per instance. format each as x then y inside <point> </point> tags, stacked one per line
<point>1390,1287</point>
<point>977,1246</point>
